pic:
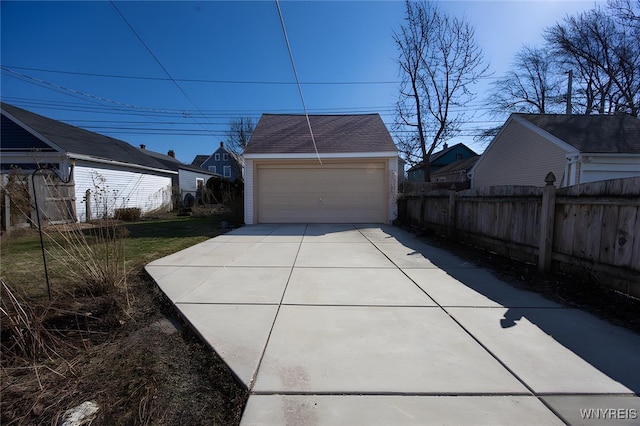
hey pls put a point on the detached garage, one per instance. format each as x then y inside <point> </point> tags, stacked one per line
<point>351,178</point>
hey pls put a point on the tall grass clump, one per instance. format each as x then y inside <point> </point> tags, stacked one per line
<point>24,334</point>
<point>85,257</point>
<point>91,258</point>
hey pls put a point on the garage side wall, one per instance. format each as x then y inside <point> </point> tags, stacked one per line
<point>393,177</point>
<point>249,194</point>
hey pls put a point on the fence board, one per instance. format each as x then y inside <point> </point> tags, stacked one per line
<point>625,235</point>
<point>593,232</point>
<point>608,234</point>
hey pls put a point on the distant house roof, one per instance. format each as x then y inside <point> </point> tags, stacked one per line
<point>199,160</point>
<point>464,164</point>
<point>74,140</point>
<point>289,134</point>
<point>618,133</point>
<point>433,159</point>
<point>173,163</point>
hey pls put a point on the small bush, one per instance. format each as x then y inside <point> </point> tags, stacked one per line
<point>129,214</point>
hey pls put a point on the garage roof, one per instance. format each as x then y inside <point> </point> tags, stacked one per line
<point>289,134</point>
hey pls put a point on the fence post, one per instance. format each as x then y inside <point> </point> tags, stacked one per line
<point>87,205</point>
<point>421,218</point>
<point>546,223</point>
<point>6,214</point>
<point>452,216</point>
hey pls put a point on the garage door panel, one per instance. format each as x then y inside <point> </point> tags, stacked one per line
<point>330,193</point>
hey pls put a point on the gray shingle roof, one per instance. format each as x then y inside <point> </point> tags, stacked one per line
<point>464,164</point>
<point>433,159</point>
<point>618,133</point>
<point>173,163</point>
<point>74,140</point>
<point>289,134</point>
<point>199,159</point>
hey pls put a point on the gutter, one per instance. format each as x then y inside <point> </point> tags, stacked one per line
<point>280,156</point>
<point>72,155</point>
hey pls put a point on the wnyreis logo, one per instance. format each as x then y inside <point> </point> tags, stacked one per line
<point>608,413</point>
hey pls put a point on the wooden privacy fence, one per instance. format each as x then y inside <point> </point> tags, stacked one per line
<point>593,226</point>
<point>55,200</point>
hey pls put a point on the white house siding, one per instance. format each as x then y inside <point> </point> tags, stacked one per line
<point>519,156</point>
<point>188,182</point>
<point>596,167</point>
<point>117,187</point>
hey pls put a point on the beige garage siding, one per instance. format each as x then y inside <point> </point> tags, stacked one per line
<point>353,192</point>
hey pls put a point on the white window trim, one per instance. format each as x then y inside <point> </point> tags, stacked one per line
<point>225,156</point>
<point>227,171</point>
<point>217,156</point>
<point>212,169</point>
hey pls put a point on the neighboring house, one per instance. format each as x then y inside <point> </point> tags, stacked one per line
<point>352,178</point>
<point>117,174</point>
<point>576,148</point>
<point>190,181</point>
<point>442,158</point>
<point>456,172</point>
<point>223,162</point>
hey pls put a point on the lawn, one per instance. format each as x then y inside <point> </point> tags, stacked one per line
<point>123,348</point>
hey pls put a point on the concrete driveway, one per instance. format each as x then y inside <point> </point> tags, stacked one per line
<point>366,324</point>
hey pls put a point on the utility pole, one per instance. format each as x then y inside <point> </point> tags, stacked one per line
<point>569,84</point>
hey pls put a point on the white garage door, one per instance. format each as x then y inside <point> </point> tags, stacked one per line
<point>331,193</point>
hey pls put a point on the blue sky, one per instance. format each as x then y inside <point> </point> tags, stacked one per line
<point>81,63</point>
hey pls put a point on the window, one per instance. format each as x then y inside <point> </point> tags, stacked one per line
<point>458,157</point>
<point>225,156</point>
<point>212,169</point>
<point>217,157</point>
<point>227,171</point>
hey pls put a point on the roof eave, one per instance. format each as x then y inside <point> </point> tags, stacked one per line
<point>83,157</point>
<point>277,156</point>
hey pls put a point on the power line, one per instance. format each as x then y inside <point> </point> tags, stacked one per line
<point>295,73</point>
<point>196,80</point>
<point>157,60</point>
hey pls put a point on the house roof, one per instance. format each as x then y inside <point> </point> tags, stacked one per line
<point>74,140</point>
<point>433,159</point>
<point>618,133</point>
<point>173,163</point>
<point>289,134</point>
<point>464,164</point>
<point>199,159</point>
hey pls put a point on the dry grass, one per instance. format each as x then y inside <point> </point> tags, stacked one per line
<point>100,342</point>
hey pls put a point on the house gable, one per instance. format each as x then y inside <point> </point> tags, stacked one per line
<point>520,155</point>
<point>222,162</point>
<point>576,148</point>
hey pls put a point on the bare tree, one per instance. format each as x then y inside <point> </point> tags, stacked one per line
<point>627,12</point>
<point>532,85</point>
<point>239,133</point>
<point>606,55</point>
<point>439,61</point>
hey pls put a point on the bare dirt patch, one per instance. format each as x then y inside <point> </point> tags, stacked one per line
<point>129,353</point>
